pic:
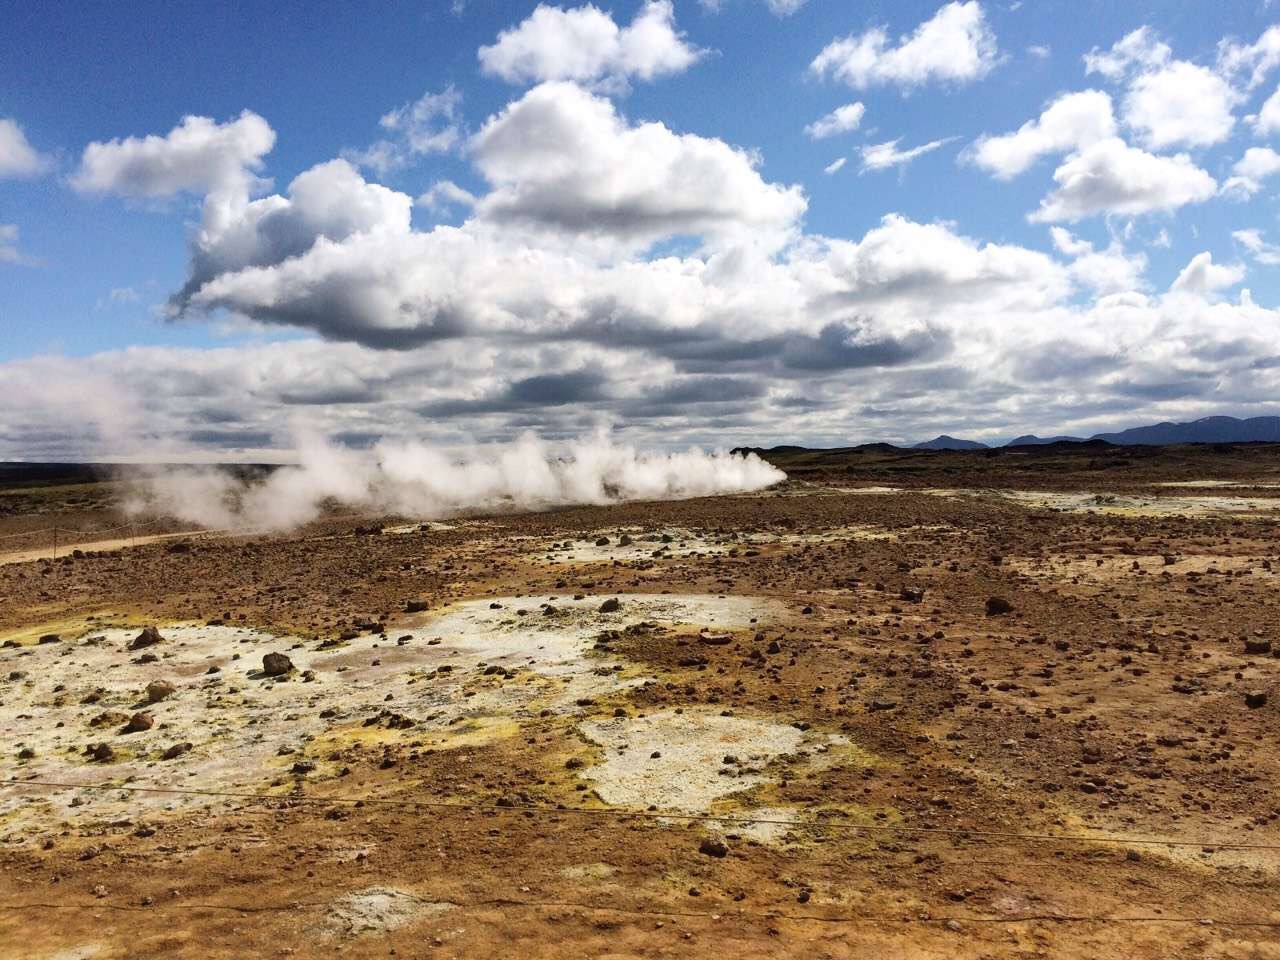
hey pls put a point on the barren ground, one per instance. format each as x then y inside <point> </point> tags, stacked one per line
<point>800,733</point>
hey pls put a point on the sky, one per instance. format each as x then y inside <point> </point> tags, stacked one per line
<point>735,222</point>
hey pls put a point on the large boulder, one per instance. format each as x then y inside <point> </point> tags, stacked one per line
<point>149,637</point>
<point>139,722</point>
<point>276,664</point>
<point>997,606</point>
<point>157,690</point>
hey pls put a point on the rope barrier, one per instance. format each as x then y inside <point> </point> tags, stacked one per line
<point>651,815</point>
<point>203,531</point>
<point>727,914</point>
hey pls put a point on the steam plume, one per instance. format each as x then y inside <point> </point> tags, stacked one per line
<point>418,481</point>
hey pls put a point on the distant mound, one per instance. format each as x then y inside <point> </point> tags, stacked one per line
<point>762,451</point>
<point>945,442</point>
<point>1031,440</point>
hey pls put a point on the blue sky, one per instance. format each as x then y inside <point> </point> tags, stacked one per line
<point>90,256</point>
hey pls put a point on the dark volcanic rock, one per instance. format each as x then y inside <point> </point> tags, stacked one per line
<point>157,690</point>
<point>713,848</point>
<point>997,606</point>
<point>149,636</point>
<point>101,753</point>
<point>276,664</point>
<point>139,722</point>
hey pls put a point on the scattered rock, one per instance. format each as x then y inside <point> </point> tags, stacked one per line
<point>712,848</point>
<point>101,753</point>
<point>139,722</point>
<point>612,605</point>
<point>149,636</point>
<point>276,664</point>
<point>157,690</point>
<point>997,606</point>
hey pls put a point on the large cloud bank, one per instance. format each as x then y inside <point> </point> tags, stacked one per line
<point>599,266</point>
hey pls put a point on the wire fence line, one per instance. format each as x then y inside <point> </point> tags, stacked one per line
<point>723,914</point>
<point>503,805</point>
<point>79,538</point>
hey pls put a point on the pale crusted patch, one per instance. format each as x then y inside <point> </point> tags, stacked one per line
<point>675,761</point>
<point>375,911</point>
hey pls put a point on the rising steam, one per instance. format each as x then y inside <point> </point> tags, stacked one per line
<point>417,481</point>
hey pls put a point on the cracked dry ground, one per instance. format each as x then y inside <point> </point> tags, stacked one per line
<point>907,732</point>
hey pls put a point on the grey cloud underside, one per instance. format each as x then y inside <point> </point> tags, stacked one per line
<point>232,438</point>
<point>1194,386</point>
<point>242,403</point>
<point>625,220</point>
<point>1064,361</point>
<point>617,270</point>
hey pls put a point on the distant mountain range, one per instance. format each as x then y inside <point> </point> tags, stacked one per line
<point>1205,430</point>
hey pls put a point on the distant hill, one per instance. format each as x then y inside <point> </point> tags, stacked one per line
<point>949,443</point>
<point>1206,430</point>
<point>1031,440</point>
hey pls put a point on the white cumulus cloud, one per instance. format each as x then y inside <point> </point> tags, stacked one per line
<point>1203,276</point>
<point>564,160</point>
<point>585,45</point>
<point>1071,122</point>
<point>840,120</point>
<point>430,124</point>
<point>1259,248</point>
<point>199,156</point>
<point>1111,177</point>
<point>1267,120</point>
<point>1257,164</point>
<point>1168,102</point>
<point>1104,272</point>
<point>956,45</point>
<point>18,158</point>
<point>1255,59</point>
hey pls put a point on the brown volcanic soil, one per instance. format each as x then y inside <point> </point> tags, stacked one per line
<point>966,784</point>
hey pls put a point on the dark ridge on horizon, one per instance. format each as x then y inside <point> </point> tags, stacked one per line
<point>1218,429</point>
<point>945,442</point>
